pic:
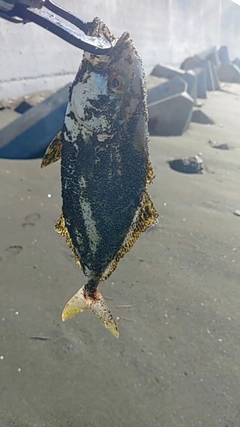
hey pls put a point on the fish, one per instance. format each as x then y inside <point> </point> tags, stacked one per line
<point>105,167</point>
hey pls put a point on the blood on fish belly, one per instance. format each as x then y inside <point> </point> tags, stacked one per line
<point>105,168</point>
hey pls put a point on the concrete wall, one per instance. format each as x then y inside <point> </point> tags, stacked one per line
<point>164,31</point>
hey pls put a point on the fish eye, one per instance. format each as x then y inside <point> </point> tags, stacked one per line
<point>115,83</point>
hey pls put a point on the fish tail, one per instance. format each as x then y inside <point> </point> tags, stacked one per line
<point>81,301</point>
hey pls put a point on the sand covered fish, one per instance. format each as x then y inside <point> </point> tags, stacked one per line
<point>105,167</point>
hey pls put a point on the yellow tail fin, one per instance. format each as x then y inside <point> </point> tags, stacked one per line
<point>79,302</point>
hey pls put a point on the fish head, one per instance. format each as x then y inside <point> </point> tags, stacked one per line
<point>108,89</point>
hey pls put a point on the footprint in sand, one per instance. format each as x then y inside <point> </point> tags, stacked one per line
<point>13,250</point>
<point>31,219</point>
<point>14,424</point>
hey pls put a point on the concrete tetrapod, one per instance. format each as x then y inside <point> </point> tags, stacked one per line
<point>29,135</point>
<point>169,72</point>
<point>229,73</point>
<point>210,73</point>
<point>172,115</point>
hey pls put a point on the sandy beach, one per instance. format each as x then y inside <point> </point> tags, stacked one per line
<point>177,360</point>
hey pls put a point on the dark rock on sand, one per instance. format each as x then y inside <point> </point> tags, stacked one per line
<point>214,144</point>
<point>188,165</point>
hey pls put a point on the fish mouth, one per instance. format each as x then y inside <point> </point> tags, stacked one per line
<point>120,44</point>
<point>125,37</point>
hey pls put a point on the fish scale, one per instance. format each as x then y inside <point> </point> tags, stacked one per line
<point>105,168</point>
<point>108,196</point>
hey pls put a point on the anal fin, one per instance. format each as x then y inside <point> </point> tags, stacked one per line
<point>150,173</point>
<point>145,217</point>
<point>61,228</point>
<point>54,151</point>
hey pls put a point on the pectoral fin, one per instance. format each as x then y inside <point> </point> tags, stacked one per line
<point>54,151</point>
<point>145,217</point>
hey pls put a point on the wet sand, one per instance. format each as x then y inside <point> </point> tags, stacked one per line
<point>177,360</point>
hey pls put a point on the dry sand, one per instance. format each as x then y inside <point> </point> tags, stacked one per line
<point>178,362</point>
